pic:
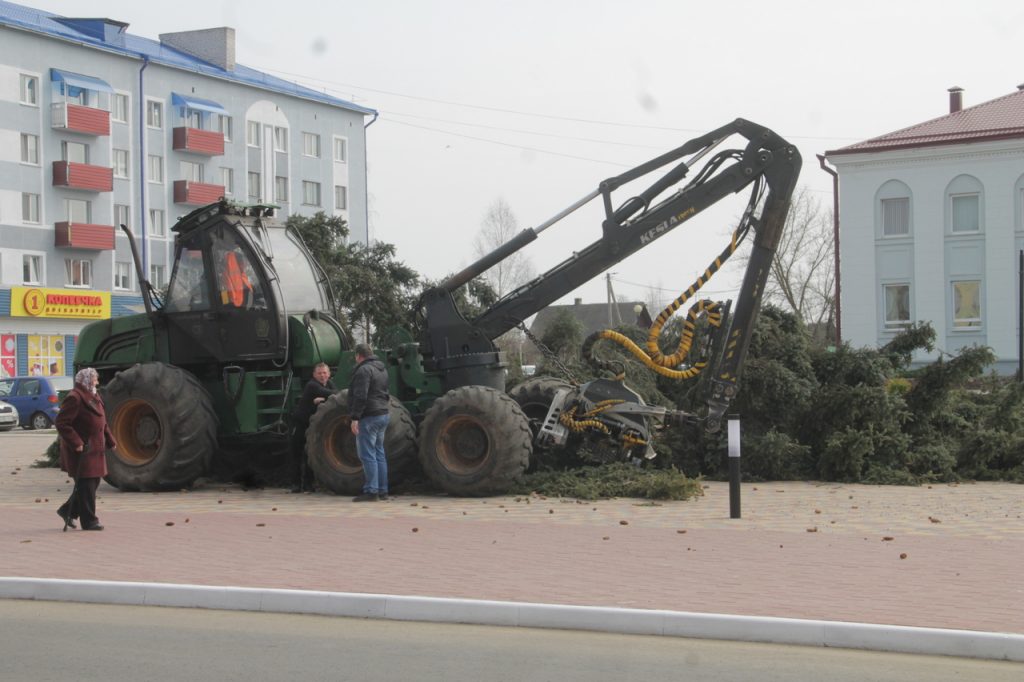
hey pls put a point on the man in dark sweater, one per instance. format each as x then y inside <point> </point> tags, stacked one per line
<point>319,389</point>
<point>368,403</point>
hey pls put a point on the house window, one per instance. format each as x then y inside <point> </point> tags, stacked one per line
<point>156,168</point>
<point>77,211</point>
<point>280,139</point>
<point>965,213</point>
<point>120,163</point>
<point>29,207</point>
<point>122,215</point>
<point>895,217</point>
<point>29,149</point>
<point>340,196</point>
<point>123,276</point>
<point>254,187</point>
<point>194,119</point>
<point>29,90</point>
<point>252,133</point>
<point>311,144</point>
<point>340,150</point>
<point>156,222</point>
<point>897,305</point>
<point>280,189</point>
<point>120,108</point>
<point>77,272</point>
<point>157,276</point>
<point>154,114</point>
<point>75,152</point>
<point>32,269</point>
<point>310,193</point>
<point>227,178</point>
<point>224,125</point>
<point>967,304</point>
<point>192,171</point>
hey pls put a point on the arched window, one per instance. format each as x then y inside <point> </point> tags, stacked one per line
<point>893,214</point>
<point>964,206</point>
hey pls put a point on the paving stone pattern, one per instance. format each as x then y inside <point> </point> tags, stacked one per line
<point>946,556</point>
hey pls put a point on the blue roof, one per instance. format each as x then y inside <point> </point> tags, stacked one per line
<point>30,19</point>
<point>196,103</point>
<point>77,80</point>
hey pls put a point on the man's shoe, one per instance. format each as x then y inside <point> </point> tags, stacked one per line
<point>95,526</point>
<point>366,497</point>
<point>68,521</point>
<point>382,496</point>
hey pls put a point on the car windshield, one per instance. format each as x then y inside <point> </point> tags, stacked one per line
<point>5,387</point>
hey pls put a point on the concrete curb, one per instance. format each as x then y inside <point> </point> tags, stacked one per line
<point>896,638</point>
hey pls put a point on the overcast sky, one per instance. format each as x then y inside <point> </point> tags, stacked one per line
<point>538,101</point>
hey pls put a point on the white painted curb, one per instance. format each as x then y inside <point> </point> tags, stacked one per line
<point>914,640</point>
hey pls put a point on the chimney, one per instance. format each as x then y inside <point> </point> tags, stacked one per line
<point>956,99</point>
<point>577,301</point>
<point>1021,86</point>
<point>213,45</point>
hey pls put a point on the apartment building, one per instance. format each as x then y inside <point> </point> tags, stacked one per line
<point>100,128</point>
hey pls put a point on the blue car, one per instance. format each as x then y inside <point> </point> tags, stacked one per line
<point>37,399</point>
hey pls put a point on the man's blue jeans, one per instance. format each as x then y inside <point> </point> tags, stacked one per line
<point>370,446</point>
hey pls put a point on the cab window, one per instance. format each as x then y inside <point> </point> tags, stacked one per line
<point>238,285</point>
<point>189,289</point>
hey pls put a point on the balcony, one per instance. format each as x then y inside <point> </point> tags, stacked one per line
<point>75,118</point>
<point>83,176</point>
<point>84,236</point>
<point>196,193</point>
<point>206,142</point>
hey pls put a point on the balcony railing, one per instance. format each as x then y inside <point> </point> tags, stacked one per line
<point>196,193</point>
<point>206,142</point>
<point>84,236</point>
<point>83,176</point>
<point>76,118</point>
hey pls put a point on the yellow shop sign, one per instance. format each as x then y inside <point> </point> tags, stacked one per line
<point>35,302</point>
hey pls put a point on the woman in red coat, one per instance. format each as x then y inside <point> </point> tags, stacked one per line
<point>84,440</point>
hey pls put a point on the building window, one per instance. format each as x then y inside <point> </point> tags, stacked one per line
<point>32,269</point>
<point>965,213</point>
<point>254,187</point>
<point>310,193</point>
<point>122,215</point>
<point>227,178</point>
<point>156,222</point>
<point>77,211</point>
<point>192,171</point>
<point>29,90</point>
<point>77,272</point>
<point>75,152</point>
<point>252,133</point>
<point>120,108</point>
<point>224,125</point>
<point>157,276</point>
<point>280,189</point>
<point>123,276</point>
<point>340,196</point>
<point>280,139</point>
<point>154,114</point>
<point>29,149</point>
<point>29,207</point>
<point>120,163</point>
<point>156,168</point>
<point>311,144</point>
<point>895,217</point>
<point>194,119</point>
<point>967,304</point>
<point>897,305</point>
<point>340,149</point>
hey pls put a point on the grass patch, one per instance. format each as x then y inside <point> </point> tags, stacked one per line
<point>619,479</point>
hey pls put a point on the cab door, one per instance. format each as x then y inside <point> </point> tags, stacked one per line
<point>192,318</point>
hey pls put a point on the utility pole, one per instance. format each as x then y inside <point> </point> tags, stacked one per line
<point>613,304</point>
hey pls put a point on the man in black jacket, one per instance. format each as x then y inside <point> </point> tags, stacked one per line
<point>368,403</point>
<point>319,389</point>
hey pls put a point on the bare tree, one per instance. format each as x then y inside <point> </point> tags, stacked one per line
<point>803,274</point>
<point>499,226</point>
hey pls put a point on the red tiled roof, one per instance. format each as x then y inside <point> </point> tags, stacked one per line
<point>998,119</point>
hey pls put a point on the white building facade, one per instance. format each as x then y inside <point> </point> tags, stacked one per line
<point>100,128</point>
<point>932,226</point>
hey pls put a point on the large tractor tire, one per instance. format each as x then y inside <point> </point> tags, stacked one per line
<point>164,425</point>
<point>534,397</point>
<point>475,441</point>
<point>331,446</point>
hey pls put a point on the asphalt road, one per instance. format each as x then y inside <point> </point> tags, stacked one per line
<point>64,641</point>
